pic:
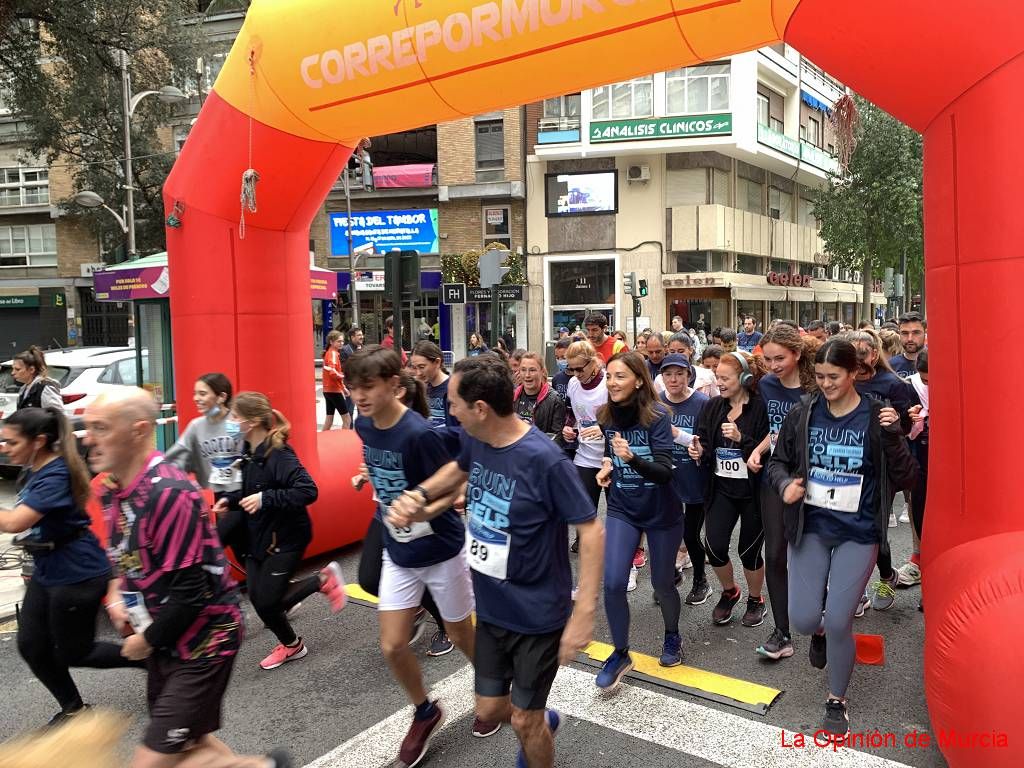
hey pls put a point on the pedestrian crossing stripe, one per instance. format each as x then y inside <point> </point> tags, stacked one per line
<point>745,695</point>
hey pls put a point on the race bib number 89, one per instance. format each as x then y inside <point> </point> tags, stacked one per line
<point>837,491</point>
<point>488,558</point>
<point>729,463</point>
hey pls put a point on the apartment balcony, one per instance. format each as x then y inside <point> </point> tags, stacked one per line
<point>720,228</point>
<point>558,130</point>
<point>389,181</point>
<point>797,149</point>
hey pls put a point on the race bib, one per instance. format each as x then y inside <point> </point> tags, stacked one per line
<point>411,532</point>
<point>231,475</point>
<point>488,557</point>
<point>730,463</point>
<point>838,491</point>
<point>138,614</point>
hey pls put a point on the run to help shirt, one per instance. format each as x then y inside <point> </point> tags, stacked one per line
<point>642,503</point>
<point>889,387</point>
<point>77,555</point>
<point>158,525</point>
<point>437,400</point>
<point>689,479</point>
<point>401,458</point>
<point>747,341</point>
<point>519,503</point>
<point>903,366</point>
<point>840,476</point>
<point>778,400</point>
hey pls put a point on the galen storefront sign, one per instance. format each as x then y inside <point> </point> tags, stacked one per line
<point>781,278</point>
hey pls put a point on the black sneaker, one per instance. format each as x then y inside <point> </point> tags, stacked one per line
<point>679,576</point>
<point>754,615</point>
<point>778,646</point>
<point>440,644</point>
<point>698,593</point>
<point>837,720</point>
<point>723,611</point>
<point>818,652</point>
<point>65,715</point>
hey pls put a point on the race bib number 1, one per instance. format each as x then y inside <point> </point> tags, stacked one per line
<point>838,491</point>
<point>488,558</point>
<point>729,463</point>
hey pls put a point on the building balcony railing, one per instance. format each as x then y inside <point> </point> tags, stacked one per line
<point>390,177</point>
<point>558,130</point>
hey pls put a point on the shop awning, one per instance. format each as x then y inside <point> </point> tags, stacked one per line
<point>758,294</point>
<point>879,298</point>
<point>850,297</point>
<point>800,294</point>
<point>825,295</point>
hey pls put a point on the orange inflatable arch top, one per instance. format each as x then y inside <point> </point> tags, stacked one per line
<point>307,78</point>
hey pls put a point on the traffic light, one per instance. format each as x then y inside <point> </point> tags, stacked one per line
<point>637,308</point>
<point>643,288</point>
<point>629,283</point>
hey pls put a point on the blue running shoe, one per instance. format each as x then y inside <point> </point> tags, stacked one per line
<point>618,664</point>
<point>672,651</point>
<point>554,720</point>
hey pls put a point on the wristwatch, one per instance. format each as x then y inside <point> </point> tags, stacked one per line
<point>423,492</point>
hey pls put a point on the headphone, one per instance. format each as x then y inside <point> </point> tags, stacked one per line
<point>746,378</point>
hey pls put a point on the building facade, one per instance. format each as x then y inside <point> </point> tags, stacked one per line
<point>700,182</point>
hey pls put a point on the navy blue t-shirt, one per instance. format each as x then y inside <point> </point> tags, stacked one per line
<point>778,400</point>
<point>78,559</point>
<point>904,367</point>
<point>400,458</point>
<point>519,502</point>
<point>560,383</point>
<point>840,444</point>
<point>688,477</point>
<point>437,401</point>
<point>886,386</point>
<point>654,368</point>
<point>747,341</point>
<point>642,503</point>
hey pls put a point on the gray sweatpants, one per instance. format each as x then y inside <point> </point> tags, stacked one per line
<point>830,573</point>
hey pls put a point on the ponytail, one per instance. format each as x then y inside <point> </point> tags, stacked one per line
<point>60,440</point>
<point>255,406</point>
<point>278,433</point>
<point>33,357</point>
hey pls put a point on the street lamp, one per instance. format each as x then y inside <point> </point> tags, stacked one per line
<point>168,95</point>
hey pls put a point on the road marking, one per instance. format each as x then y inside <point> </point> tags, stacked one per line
<point>721,738</point>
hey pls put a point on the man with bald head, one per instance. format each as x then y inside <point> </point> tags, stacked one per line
<point>175,598</point>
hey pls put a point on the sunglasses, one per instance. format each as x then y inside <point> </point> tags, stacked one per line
<point>571,369</point>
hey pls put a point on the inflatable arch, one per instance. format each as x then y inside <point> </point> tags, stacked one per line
<point>307,78</point>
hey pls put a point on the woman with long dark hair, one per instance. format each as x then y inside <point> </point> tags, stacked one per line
<point>57,625</point>
<point>836,461</point>
<point>37,389</point>
<point>637,473</point>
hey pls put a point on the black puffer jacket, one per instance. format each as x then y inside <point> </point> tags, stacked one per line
<point>282,524</point>
<point>752,424</point>
<point>895,467</point>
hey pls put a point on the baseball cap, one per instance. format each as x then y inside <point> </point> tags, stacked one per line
<point>563,329</point>
<point>677,359</point>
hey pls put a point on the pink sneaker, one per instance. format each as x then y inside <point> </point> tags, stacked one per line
<point>639,558</point>
<point>283,653</point>
<point>333,586</point>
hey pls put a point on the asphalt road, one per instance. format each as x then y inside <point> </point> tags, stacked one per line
<point>342,691</point>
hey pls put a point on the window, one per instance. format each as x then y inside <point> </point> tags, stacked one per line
<point>691,261</point>
<point>811,133</point>
<point>780,204</point>
<point>770,107</point>
<point>719,187</point>
<point>34,245</point>
<point>24,186</point>
<point>749,196</point>
<point>490,145</point>
<point>749,265</point>
<point>634,98</point>
<point>762,110</point>
<point>778,265</point>
<point>498,225</point>
<point>697,90</point>
<point>560,107</point>
<point>180,135</point>
<point>585,283</point>
<point>687,187</point>
<point>805,213</point>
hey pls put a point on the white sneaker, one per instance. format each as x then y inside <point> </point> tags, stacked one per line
<point>905,517</point>
<point>892,520</point>
<point>632,580</point>
<point>908,575</point>
<point>684,562</point>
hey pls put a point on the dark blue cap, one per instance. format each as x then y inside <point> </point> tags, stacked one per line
<point>675,359</point>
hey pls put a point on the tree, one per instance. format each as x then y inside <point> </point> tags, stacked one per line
<point>60,72</point>
<point>872,214</point>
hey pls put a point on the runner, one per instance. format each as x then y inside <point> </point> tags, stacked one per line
<point>513,362</point>
<point>749,337</point>
<point>909,574</point>
<point>535,402</point>
<point>275,493</point>
<point>731,427</point>
<point>655,354</point>
<point>522,494</point>
<point>606,346</point>
<point>355,343</point>
<point>401,450</point>
<point>686,406</point>
<point>701,379</point>
<point>728,339</point>
<point>428,367</point>
<point>710,358</point>
<point>834,459</point>
<point>790,358</point>
<point>560,381</point>
<point>335,394</point>
<point>175,592</point>
<point>913,331</point>
<point>215,458</point>
<point>37,390</point>
<point>57,622</point>
<point>412,393</point>
<point>816,329</point>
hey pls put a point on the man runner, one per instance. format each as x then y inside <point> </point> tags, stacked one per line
<point>912,334</point>
<point>522,494</point>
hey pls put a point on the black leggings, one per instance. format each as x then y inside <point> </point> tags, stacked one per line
<point>57,630</point>
<point>721,519</point>
<point>884,553</point>
<point>692,523</point>
<point>919,496</point>
<point>370,566</point>
<point>588,475</point>
<point>273,593</point>
<point>233,531</point>
<point>776,573</point>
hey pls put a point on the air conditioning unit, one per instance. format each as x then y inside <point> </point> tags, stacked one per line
<point>834,272</point>
<point>844,275</point>
<point>819,273</point>
<point>857,277</point>
<point>638,173</point>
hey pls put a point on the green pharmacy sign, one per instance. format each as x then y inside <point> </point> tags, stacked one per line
<point>660,128</point>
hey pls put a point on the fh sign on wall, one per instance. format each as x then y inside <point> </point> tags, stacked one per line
<point>407,230</point>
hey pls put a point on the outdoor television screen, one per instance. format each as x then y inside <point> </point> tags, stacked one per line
<point>581,194</point>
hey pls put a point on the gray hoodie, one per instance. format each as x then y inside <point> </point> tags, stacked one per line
<point>205,449</point>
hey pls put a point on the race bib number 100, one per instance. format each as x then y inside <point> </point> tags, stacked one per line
<point>838,491</point>
<point>729,463</point>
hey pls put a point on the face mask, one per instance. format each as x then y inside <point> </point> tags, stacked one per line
<point>562,364</point>
<point>213,411</point>
<point>233,428</point>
